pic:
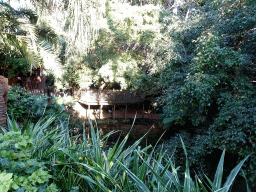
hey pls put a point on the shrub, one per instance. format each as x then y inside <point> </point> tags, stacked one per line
<point>24,106</point>
<point>87,164</point>
<point>93,166</point>
<point>197,146</point>
<point>23,171</point>
<point>234,129</point>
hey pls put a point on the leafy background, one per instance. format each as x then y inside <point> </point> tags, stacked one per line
<point>198,64</point>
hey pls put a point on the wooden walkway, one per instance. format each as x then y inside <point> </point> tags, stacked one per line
<point>102,104</point>
<point>95,97</point>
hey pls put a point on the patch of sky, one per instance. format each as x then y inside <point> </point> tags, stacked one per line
<point>17,4</point>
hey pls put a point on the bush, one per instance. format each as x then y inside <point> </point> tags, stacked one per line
<point>20,103</point>
<point>197,146</point>
<point>23,171</point>
<point>234,129</point>
<point>87,164</point>
<point>133,169</point>
<point>24,106</point>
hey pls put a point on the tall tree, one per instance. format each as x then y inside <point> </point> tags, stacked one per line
<point>17,38</point>
<point>77,21</point>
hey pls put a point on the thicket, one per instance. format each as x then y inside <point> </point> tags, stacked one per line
<point>24,108</point>
<point>14,52</point>
<point>26,43</point>
<point>210,84</point>
<point>201,60</point>
<point>19,170</point>
<point>38,157</point>
<point>116,58</point>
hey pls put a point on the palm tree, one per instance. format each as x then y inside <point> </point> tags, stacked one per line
<point>17,34</point>
<point>78,21</point>
<point>25,42</point>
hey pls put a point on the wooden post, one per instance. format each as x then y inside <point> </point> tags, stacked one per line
<point>143,111</point>
<point>114,112</point>
<point>125,115</point>
<point>101,114</point>
<point>89,111</point>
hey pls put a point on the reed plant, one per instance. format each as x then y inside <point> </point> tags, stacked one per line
<point>79,163</point>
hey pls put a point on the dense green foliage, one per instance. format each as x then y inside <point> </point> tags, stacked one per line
<point>25,43</point>
<point>216,73</point>
<point>24,106</point>
<point>25,173</point>
<point>209,86</point>
<point>126,35</point>
<point>85,165</point>
<point>197,146</point>
<point>200,60</point>
<point>18,41</point>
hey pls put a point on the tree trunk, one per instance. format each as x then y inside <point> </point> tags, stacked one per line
<point>3,100</point>
<point>177,5</point>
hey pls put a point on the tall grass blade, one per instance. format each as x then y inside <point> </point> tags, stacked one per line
<point>99,172</point>
<point>159,178</point>
<point>234,173</point>
<point>122,144</point>
<point>90,180</point>
<point>214,188</point>
<point>247,185</point>
<point>12,125</point>
<point>174,175</point>
<point>219,173</point>
<point>201,184</point>
<point>135,163</point>
<point>165,187</point>
<point>26,128</point>
<point>112,151</point>
<point>187,183</point>
<point>140,185</point>
<point>96,145</point>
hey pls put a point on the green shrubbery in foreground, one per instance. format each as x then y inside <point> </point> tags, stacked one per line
<point>26,107</point>
<point>38,157</point>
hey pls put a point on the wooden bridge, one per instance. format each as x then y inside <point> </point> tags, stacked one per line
<point>95,97</point>
<point>109,98</point>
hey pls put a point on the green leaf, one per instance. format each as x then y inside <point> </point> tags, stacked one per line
<point>168,120</point>
<point>234,173</point>
<point>5,181</point>
<point>219,172</point>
